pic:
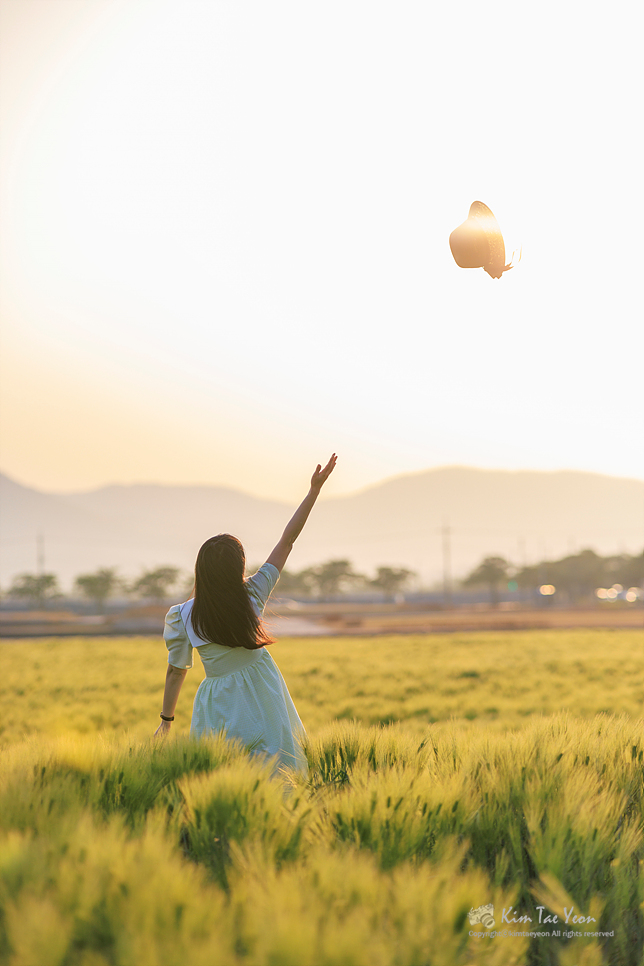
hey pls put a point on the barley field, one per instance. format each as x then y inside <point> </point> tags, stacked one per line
<point>446,773</point>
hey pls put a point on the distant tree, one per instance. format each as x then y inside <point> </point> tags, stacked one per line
<point>626,570</point>
<point>38,589</point>
<point>99,586</point>
<point>186,584</point>
<point>331,578</point>
<point>491,572</point>
<point>529,578</point>
<point>292,582</point>
<point>155,584</point>
<point>391,580</point>
<point>578,575</point>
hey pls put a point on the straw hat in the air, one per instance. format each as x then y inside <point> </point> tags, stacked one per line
<point>478,242</point>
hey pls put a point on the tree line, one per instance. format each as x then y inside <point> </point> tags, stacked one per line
<point>326,580</point>
<point>575,576</point>
<point>97,587</point>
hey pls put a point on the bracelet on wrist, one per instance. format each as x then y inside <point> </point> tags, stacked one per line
<point>166,718</point>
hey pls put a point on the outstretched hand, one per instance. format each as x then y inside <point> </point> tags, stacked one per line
<point>321,475</point>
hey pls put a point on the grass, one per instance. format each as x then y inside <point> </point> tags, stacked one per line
<point>118,850</point>
<point>84,685</point>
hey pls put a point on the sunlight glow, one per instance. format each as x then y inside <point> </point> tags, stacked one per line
<point>213,242</point>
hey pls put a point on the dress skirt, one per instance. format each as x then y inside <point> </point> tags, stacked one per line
<point>254,705</point>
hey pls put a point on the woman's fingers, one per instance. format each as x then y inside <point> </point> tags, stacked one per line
<point>330,465</point>
<point>321,475</point>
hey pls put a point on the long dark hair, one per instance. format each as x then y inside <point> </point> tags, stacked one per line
<point>222,612</point>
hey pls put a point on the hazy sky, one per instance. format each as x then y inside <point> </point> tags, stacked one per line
<point>225,240</point>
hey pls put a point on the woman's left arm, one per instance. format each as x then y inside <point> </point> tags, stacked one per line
<point>173,683</point>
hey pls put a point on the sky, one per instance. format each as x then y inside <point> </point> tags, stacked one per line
<point>224,242</point>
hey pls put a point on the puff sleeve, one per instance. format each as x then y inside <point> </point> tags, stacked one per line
<point>176,639</point>
<point>261,584</point>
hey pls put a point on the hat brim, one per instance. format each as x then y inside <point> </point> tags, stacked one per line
<point>488,223</point>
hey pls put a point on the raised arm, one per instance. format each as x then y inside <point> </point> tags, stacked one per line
<point>294,527</point>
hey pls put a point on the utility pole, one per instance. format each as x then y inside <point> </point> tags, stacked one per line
<point>447,564</point>
<point>40,554</point>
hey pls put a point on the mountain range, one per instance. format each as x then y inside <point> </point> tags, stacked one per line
<point>447,517</point>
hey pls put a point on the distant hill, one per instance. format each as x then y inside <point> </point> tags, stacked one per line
<point>522,515</point>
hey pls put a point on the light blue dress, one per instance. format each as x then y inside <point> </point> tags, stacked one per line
<point>243,693</point>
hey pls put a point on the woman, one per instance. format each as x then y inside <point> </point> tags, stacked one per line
<point>243,693</point>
